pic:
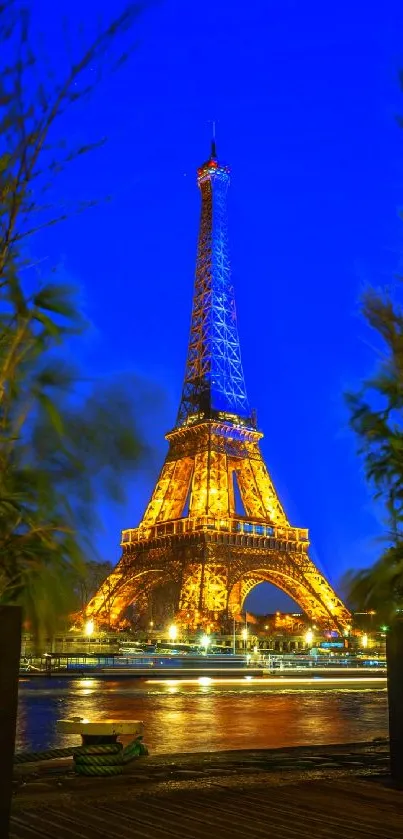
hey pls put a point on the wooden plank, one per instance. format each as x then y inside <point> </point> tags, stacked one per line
<point>324,809</point>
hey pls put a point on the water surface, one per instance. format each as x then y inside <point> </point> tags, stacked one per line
<point>182,717</point>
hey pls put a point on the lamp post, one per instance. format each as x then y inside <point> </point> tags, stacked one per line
<point>309,637</point>
<point>150,629</point>
<point>245,638</point>
<point>89,629</point>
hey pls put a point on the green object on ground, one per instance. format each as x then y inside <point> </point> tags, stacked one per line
<point>99,749</point>
<point>98,760</point>
<point>107,759</point>
<point>98,771</point>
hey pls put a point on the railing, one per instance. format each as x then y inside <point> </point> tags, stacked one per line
<point>180,527</point>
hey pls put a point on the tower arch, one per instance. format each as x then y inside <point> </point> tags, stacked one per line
<point>297,589</point>
<point>119,591</point>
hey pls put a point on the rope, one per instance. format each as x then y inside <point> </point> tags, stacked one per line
<point>102,759</point>
<point>108,759</point>
<point>50,754</point>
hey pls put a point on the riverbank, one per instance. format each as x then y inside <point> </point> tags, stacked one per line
<point>316,791</point>
<point>228,673</point>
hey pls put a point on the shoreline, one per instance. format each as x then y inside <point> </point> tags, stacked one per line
<point>41,779</point>
<point>221,674</point>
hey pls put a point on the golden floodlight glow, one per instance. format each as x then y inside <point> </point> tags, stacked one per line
<point>89,628</point>
<point>364,641</point>
<point>309,636</point>
<point>173,632</point>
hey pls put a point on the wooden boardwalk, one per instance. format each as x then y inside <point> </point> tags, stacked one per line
<point>323,792</point>
<point>335,808</point>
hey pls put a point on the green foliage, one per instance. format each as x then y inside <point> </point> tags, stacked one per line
<point>64,442</point>
<point>377,418</point>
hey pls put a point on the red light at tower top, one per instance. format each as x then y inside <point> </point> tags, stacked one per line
<point>212,165</point>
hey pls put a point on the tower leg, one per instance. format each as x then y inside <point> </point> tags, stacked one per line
<point>203,601</point>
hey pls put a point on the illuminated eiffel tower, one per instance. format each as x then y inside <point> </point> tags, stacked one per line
<point>191,532</point>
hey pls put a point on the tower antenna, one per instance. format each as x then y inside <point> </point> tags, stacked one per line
<point>213,143</point>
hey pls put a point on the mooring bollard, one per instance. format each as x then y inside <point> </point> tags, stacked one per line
<point>101,753</point>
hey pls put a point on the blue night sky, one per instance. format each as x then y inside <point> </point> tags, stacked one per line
<point>305,97</point>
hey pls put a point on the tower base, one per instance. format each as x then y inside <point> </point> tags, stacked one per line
<point>216,563</point>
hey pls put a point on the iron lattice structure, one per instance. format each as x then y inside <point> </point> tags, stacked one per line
<point>214,379</point>
<point>192,532</point>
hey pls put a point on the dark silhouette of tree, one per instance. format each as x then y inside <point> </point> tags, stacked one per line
<point>65,442</point>
<point>377,419</point>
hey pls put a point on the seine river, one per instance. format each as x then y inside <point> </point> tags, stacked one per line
<point>183,717</point>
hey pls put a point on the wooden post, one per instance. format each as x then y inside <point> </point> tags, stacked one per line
<point>394,656</point>
<point>10,634</point>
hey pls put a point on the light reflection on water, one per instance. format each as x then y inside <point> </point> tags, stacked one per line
<point>196,717</point>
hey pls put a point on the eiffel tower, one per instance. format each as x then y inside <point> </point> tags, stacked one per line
<point>191,532</point>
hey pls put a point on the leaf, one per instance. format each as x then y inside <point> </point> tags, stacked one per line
<point>57,298</point>
<point>53,413</point>
<point>51,328</point>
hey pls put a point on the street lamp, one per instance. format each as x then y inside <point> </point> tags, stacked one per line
<point>309,637</point>
<point>364,641</point>
<point>205,640</point>
<point>89,629</point>
<point>173,632</point>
